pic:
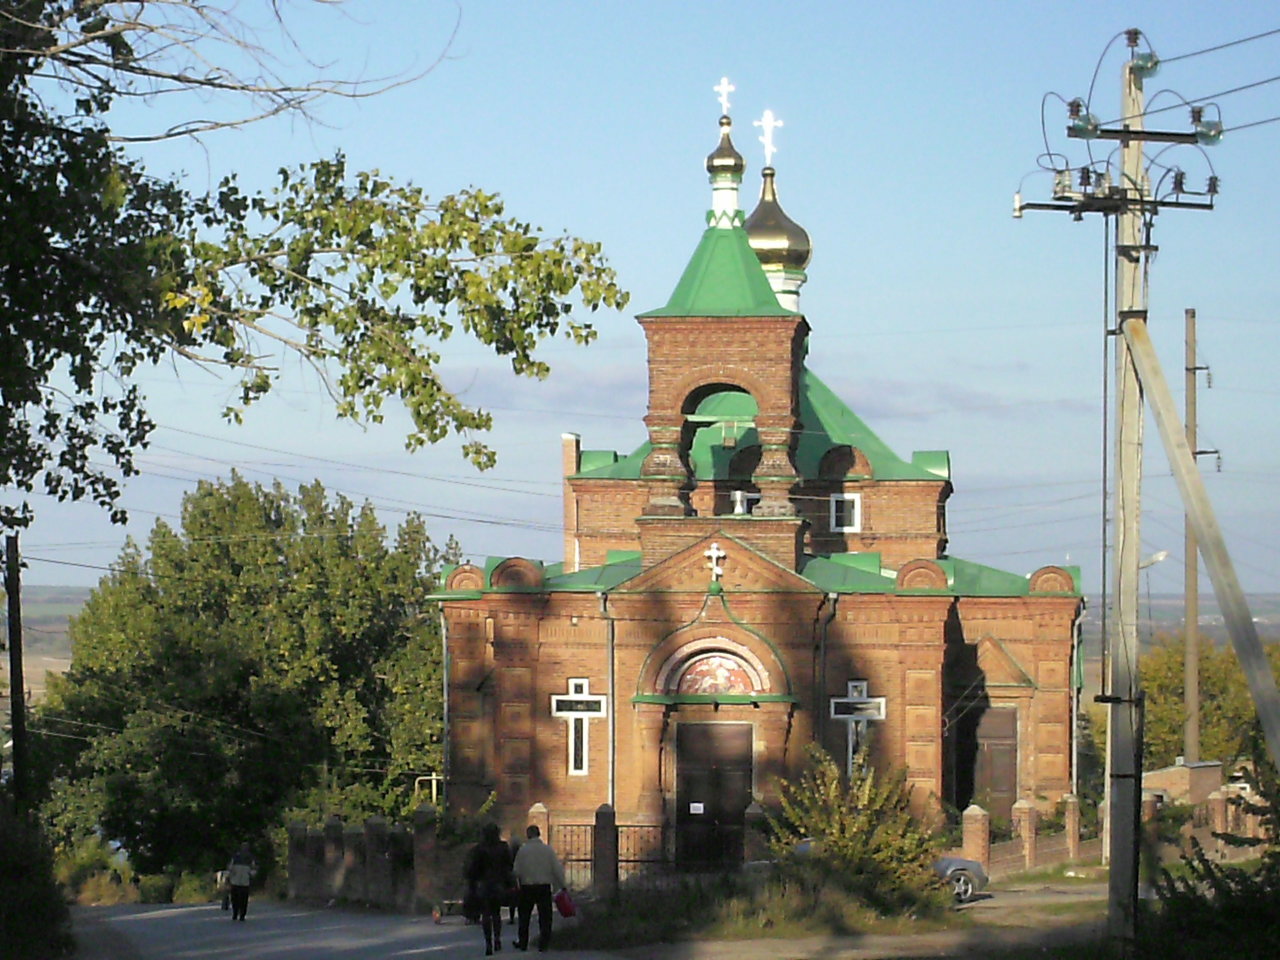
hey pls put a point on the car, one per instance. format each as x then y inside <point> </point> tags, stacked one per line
<point>965,877</point>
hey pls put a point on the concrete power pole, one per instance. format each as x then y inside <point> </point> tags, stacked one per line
<point>1191,584</point>
<point>1132,251</point>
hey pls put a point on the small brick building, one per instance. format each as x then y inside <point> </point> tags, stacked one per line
<point>762,573</point>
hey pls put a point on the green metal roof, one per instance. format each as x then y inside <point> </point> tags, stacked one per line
<point>862,573</point>
<point>828,422</point>
<point>723,279</point>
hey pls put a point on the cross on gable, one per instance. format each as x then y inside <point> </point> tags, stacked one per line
<point>724,88</point>
<point>714,555</point>
<point>576,707</point>
<point>855,709</point>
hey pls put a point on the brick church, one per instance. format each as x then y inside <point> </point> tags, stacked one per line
<point>763,572</point>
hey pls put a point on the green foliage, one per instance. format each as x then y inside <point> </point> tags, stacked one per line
<point>106,269</point>
<point>239,670</point>
<point>867,841</point>
<point>155,888</point>
<point>1224,728</point>
<point>194,888</point>
<point>34,921</point>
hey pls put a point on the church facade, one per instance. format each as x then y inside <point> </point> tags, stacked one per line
<point>763,573</point>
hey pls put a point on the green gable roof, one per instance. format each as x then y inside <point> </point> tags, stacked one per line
<point>829,422</point>
<point>723,279</point>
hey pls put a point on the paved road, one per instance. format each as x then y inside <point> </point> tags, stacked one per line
<point>277,932</point>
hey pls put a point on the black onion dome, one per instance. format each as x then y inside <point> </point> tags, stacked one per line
<point>724,158</point>
<point>776,238</point>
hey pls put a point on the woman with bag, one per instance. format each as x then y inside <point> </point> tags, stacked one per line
<point>489,881</point>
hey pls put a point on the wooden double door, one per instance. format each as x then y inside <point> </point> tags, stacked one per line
<point>714,771</point>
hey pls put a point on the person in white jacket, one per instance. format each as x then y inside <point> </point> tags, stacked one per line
<point>240,873</point>
<point>539,871</point>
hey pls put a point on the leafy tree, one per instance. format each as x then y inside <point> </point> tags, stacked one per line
<point>862,835</point>
<point>1230,715</point>
<point>34,921</point>
<point>105,268</point>
<point>254,660</point>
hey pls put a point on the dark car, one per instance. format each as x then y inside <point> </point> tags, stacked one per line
<point>966,877</point>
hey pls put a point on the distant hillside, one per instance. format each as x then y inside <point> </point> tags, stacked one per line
<point>46,615</point>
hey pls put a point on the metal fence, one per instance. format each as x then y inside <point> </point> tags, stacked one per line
<point>573,843</point>
<point>642,855</point>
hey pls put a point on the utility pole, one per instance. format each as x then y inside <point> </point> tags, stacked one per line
<point>1191,574</point>
<point>1131,203</point>
<point>17,685</point>
<point>1132,252</point>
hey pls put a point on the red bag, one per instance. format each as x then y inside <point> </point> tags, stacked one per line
<point>565,904</point>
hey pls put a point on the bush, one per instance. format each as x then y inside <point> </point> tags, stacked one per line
<point>195,888</point>
<point>90,857</point>
<point>105,890</point>
<point>155,888</point>
<point>34,920</point>
<point>869,843</point>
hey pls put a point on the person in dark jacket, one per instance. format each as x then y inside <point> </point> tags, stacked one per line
<point>489,879</point>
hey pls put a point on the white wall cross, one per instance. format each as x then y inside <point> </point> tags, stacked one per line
<point>724,88</point>
<point>855,709</point>
<point>714,555</point>
<point>768,123</point>
<point>577,707</point>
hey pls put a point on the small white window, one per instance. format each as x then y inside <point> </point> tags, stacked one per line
<point>846,513</point>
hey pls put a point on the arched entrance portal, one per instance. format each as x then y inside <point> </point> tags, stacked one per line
<point>714,758</point>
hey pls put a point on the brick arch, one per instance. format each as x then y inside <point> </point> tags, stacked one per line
<point>466,576</point>
<point>516,572</point>
<point>663,665</point>
<point>921,575</point>
<point>841,460</point>
<point>1052,580</point>
<point>675,396</point>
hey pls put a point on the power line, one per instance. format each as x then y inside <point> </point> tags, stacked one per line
<point>1220,46</point>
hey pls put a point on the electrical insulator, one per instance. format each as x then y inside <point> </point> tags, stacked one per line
<point>1179,181</point>
<point>1218,462</point>
<point>1208,378</point>
<point>1213,186</point>
<point>1074,108</point>
<point>1085,177</point>
<point>1104,184</point>
<point>1017,205</point>
<point>1061,184</point>
<point>1197,114</point>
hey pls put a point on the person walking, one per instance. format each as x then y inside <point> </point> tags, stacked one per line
<point>489,880</point>
<point>240,873</point>
<point>539,871</point>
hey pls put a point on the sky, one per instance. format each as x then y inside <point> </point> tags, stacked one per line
<point>944,322</point>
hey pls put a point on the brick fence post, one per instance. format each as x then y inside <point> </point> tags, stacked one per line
<point>604,852</point>
<point>540,817</point>
<point>755,845</point>
<point>1025,819</point>
<point>976,823</point>
<point>298,865</point>
<point>1218,818</point>
<point>426,865</point>
<point>377,862</point>
<point>1071,825</point>
<point>333,858</point>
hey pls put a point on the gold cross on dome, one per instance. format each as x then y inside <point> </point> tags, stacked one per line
<point>724,88</point>
<point>768,123</point>
<point>714,555</point>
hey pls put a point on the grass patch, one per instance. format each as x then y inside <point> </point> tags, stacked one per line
<point>733,908</point>
<point>1065,874</point>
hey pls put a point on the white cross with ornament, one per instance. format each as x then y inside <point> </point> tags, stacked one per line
<point>724,88</point>
<point>576,707</point>
<point>714,555</point>
<point>855,710</point>
<point>768,123</point>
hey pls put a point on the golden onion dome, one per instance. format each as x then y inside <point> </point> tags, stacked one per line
<point>724,158</point>
<point>776,238</point>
